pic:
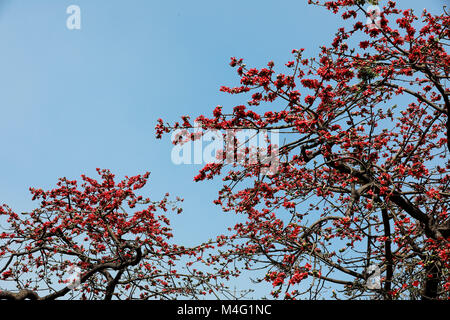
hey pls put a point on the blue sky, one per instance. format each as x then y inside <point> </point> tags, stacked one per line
<point>75,100</point>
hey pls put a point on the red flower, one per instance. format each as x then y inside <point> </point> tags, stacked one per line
<point>364,44</point>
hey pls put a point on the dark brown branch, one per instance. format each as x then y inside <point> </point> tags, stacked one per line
<point>388,253</point>
<point>21,295</point>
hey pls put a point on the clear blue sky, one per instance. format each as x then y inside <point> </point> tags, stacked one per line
<point>75,100</point>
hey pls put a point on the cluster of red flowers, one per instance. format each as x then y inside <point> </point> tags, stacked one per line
<point>354,165</point>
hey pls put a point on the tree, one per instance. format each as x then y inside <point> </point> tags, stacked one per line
<point>96,237</point>
<point>363,173</point>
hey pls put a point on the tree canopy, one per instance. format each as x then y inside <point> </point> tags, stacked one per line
<point>355,207</point>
